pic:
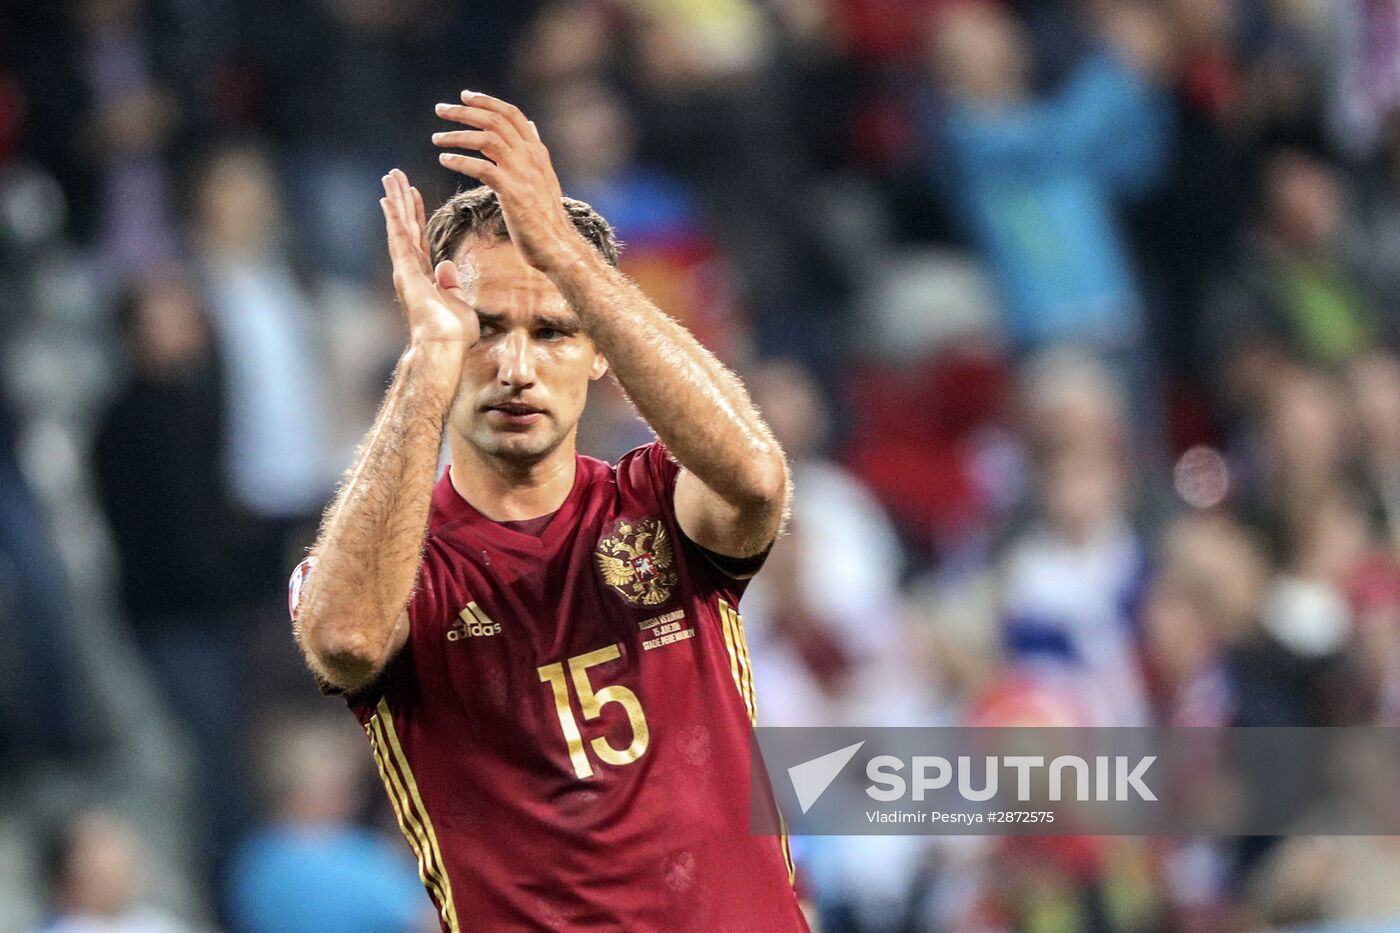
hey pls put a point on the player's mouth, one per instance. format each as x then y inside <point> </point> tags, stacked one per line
<point>514,414</point>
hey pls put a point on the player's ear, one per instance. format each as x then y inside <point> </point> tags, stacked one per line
<point>599,367</point>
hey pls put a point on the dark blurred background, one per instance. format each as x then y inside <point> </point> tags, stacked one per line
<point>1077,317</point>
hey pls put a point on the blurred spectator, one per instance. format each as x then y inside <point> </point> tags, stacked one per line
<point>1303,450</point>
<point>96,880</point>
<point>1196,209</point>
<point>175,526</point>
<point>39,675</point>
<point>1377,239</point>
<point>1367,91</point>
<point>1338,882</point>
<point>1366,686</point>
<point>1375,396</point>
<point>718,110</point>
<point>181,542</point>
<point>1306,610</point>
<point>1294,293</point>
<point>393,61</point>
<point>932,440</point>
<point>1088,883</point>
<point>1204,602</point>
<point>825,616</point>
<point>1208,660</point>
<point>278,461</point>
<point>1284,670</point>
<point>101,115</point>
<point>685,46</point>
<point>566,41</point>
<point>669,252</point>
<point>829,639</point>
<point>1038,180</point>
<point>132,121</point>
<point>309,868</point>
<point>885,30</point>
<point>1071,580</point>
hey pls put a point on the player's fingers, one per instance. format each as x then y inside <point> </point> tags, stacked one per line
<point>411,210</point>
<point>401,245</point>
<point>405,215</point>
<point>482,119</point>
<point>394,236</point>
<point>391,191</point>
<point>480,169</point>
<point>421,213</point>
<point>494,104</point>
<point>393,212</point>
<point>405,197</point>
<point>393,228</point>
<point>406,210</point>
<point>542,159</point>
<point>482,141</point>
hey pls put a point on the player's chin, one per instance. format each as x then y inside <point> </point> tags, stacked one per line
<point>528,442</point>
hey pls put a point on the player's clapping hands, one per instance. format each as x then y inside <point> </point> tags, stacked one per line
<point>432,298</point>
<point>517,166</point>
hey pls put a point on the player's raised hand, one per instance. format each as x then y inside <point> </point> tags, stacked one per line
<point>432,299</point>
<point>517,166</point>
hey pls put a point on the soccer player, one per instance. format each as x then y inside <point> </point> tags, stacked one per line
<point>544,649</point>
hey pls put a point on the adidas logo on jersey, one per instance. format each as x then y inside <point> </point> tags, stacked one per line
<point>472,622</point>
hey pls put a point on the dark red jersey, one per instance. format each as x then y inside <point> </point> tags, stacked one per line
<point>565,736</point>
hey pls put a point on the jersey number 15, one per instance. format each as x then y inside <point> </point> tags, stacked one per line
<point>592,703</point>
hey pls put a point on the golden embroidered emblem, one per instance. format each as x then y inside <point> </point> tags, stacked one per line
<point>636,559</point>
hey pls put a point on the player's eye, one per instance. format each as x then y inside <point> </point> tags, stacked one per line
<point>549,334</point>
<point>489,330</point>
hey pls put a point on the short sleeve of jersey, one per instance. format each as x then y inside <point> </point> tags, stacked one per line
<point>650,471</point>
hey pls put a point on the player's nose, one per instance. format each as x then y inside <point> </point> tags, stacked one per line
<point>515,364</point>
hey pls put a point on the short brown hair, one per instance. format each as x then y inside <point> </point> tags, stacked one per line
<point>477,212</point>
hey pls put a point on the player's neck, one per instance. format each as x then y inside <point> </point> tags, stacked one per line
<point>508,491</point>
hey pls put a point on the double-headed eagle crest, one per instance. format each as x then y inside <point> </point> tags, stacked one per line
<point>635,559</point>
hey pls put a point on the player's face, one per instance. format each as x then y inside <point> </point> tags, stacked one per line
<point>525,382</point>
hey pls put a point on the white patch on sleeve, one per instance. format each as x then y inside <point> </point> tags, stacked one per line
<point>299,578</point>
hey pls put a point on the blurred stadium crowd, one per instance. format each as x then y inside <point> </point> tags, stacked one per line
<point>1078,319</point>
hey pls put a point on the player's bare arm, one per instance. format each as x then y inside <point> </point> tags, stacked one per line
<point>351,617</point>
<point>732,491</point>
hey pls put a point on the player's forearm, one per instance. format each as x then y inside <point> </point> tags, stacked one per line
<point>371,540</point>
<point>697,407</point>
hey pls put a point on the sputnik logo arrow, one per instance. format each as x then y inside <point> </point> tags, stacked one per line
<point>811,778</point>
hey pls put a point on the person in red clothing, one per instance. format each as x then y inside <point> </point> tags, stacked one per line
<point>546,650</point>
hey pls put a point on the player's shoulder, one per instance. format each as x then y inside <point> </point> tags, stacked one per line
<point>639,486</point>
<point>648,466</point>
